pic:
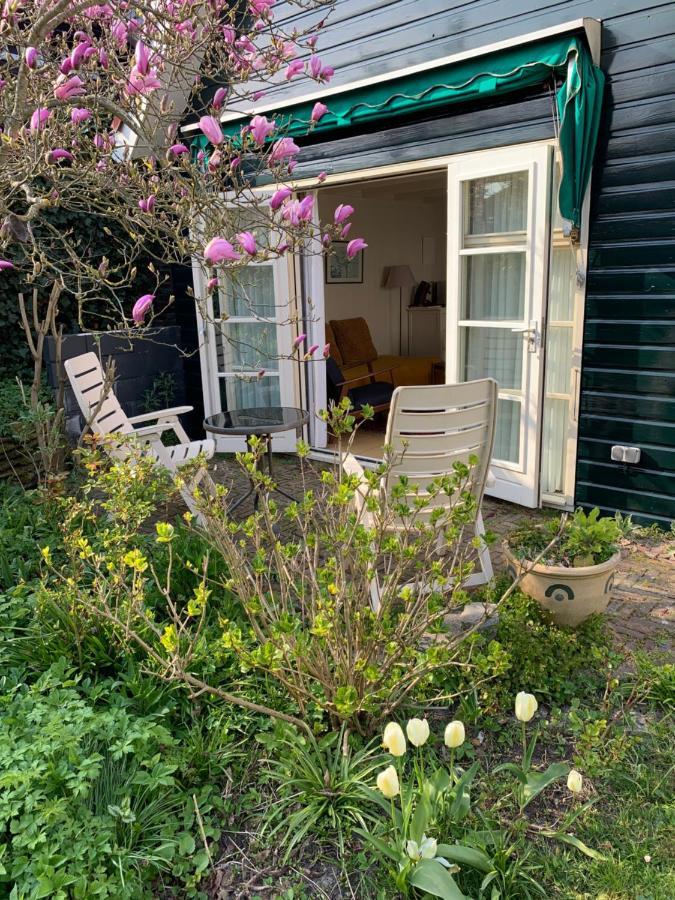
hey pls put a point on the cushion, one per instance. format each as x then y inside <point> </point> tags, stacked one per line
<point>376,394</point>
<point>353,338</point>
<point>334,349</point>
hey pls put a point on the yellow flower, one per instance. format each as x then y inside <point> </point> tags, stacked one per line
<point>454,734</point>
<point>394,739</point>
<point>526,706</point>
<point>387,782</point>
<point>417,731</point>
<point>575,782</point>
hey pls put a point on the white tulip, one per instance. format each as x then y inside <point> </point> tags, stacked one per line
<point>424,850</point>
<point>526,706</point>
<point>417,731</point>
<point>393,739</point>
<point>575,782</point>
<point>455,734</point>
<point>387,782</point>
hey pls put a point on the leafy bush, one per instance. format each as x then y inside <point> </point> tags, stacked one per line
<point>89,801</point>
<point>26,524</point>
<point>585,540</point>
<point>525,647</point>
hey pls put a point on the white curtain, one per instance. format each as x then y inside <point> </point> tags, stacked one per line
<point>494,286</point>
<point>558,371</point>
<point>498,204</point>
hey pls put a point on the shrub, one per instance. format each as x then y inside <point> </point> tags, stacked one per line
<point>585,539</point>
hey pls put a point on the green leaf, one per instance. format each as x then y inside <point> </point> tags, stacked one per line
<point>186,845</point>
<point>466,856</point>
<point>513,768</point>
<point>537,781</point>
<point>462,802</point>
<point>420,819</point>
<point>380,845</point>
<point>431,877</point>
<point>575,842</point>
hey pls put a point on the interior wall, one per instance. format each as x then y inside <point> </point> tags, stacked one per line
<point>403,221</point>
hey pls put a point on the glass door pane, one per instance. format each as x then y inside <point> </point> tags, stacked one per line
<point>246,335</point>
<point>493,257</point>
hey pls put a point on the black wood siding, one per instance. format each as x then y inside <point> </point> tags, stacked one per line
<point>628,379</point>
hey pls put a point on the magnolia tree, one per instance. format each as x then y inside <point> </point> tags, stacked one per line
<point>91,102</point>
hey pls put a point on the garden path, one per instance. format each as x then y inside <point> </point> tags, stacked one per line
<point>642,610</point>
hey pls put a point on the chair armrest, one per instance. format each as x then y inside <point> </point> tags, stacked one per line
<point>161,414</point>
<point>148,430</point>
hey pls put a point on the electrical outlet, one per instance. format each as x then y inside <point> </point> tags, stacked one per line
<point>629,455</point>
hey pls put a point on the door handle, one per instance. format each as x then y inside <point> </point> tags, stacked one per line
<point>533,336</point>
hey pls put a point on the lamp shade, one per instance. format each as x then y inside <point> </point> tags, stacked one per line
<point>399,277</point>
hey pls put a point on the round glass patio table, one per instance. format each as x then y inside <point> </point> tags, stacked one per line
<point>263,422</point>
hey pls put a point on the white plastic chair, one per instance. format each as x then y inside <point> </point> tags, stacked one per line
<point>430,427</point>
<point>88,383</point>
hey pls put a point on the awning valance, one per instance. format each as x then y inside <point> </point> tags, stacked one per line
<point>579,101</point>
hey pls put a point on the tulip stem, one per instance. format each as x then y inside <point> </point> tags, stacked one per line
<point>452,765</point>
<point>522,724</point>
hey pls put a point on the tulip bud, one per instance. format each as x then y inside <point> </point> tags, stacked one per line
<point>417,731</point>
<point>526,706</point>
<point>394,739</point>
<point>575,782</point>
<point>455,734</point>
<point>387,782</point>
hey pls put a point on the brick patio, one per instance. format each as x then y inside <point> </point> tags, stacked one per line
<point>642,611</point>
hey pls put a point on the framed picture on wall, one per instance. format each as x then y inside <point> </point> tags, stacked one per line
<point>339,269</point>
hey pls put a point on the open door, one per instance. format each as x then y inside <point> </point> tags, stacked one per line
<point>246,328</point>
<point>498,238</point>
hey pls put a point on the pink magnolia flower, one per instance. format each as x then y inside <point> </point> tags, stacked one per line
<point>66,66</point>
<point>79,114</point>
<point>219,249</point>
<point>211,284</point>
<point>283,149</point>
<point>342,212</point>
<point>229,34</point>
<point>294,68</point>
<point>210,126</point>
<point>147,205</point>
<point>300,339</point>
<point>99,141</point>
<point>68,88</point>
<point>345,231</point>
<point>311,351</point>
<point>261,128</point>
<point>247,242</point>
<point>219,98</point>
<point>355,246</point>
<point>5,264</point>
<point>214,161</point>
<point>326,351</point>
<point>142,84</point>
<point>326,73</point>
<point>318,112</point>
<point>39,118</point>
<point>261,7</point>
<point>103,58</point>
<point>235,163</point>
<point>178,149</point>
<point>279,196</point>
<point>257,95</point>
<point>261,373</point>
<point>315,66</point>
<point>282,248</point>
<point>142,57</point>
<point>141,306</point>
<point>321,177</point>
<point>305,208</point>
<point>78,53</point>
<point>31,57</point>
<point>58,153</point>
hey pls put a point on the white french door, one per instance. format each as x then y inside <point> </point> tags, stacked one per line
<point>246,334</point>
<point>498,239</point>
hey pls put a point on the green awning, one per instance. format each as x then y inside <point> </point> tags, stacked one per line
<point>579,101</point>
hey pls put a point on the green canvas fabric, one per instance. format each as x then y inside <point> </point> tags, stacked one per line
<point>579,102</point>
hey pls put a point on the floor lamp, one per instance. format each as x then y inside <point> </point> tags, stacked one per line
<point>399,277</point>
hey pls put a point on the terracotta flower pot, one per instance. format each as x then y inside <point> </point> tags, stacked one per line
<point>570,595</point>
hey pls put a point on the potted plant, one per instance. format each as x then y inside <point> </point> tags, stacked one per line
<point>574,577</point>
